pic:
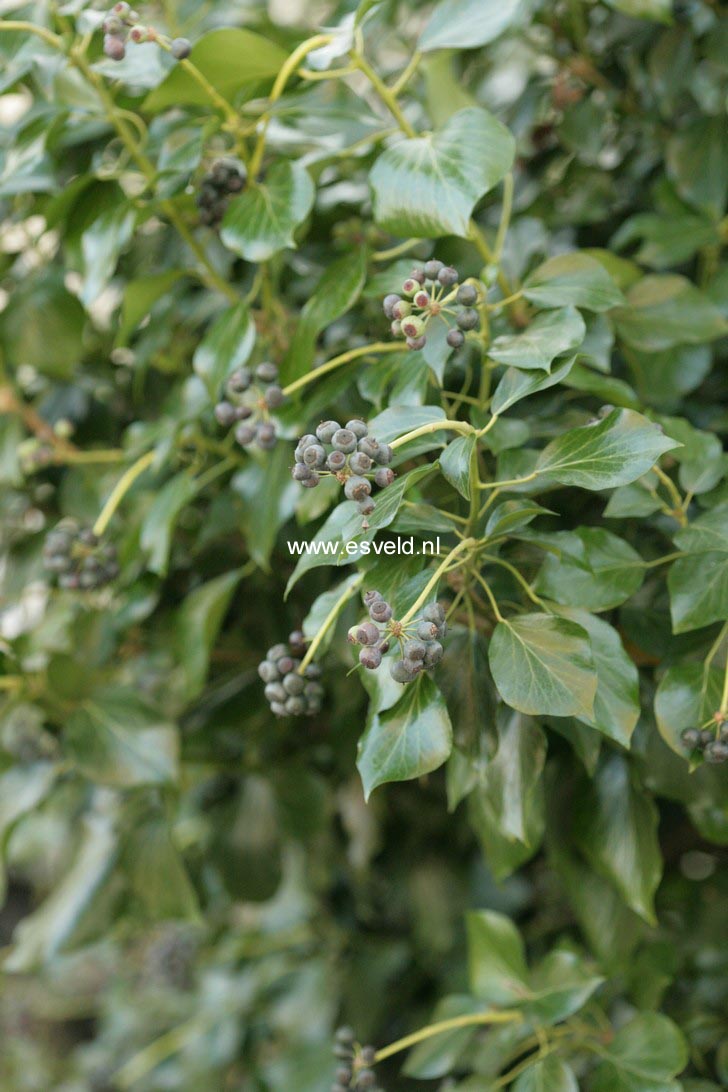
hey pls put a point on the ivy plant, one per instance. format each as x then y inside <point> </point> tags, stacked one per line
<point>364,609</point>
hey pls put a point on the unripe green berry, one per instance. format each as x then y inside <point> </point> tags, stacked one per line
<point>410,286</point>
<point>401,310</point>
<point>388,304</point>
<point>422,299</point>
<point>413,326</point>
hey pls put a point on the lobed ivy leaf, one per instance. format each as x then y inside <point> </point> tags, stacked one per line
<point>687,697</point>
<point>516,384</point>
<point>592,568</point>
<point>549,1075</point>
<point>544,664</point>
<point>227,345</point>
<point>645,1055</point>
<point>263,219</point>
<point>467,24</point>
<point>575,279</point>
<point>455,463</point>
<point>550,335</point>
<point>614,451</point>
<point>412,738</point>
<point>429,185</point>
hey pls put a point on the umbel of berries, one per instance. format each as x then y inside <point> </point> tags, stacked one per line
<point>291,692</point>
<point>420,640</point>
<point>249,398</point>
<point>77,558</point>
<point>223,180</point>
<point>432,291</point>
<point>353,1064</point>
<point>348,453</point>
<point>710,742</point>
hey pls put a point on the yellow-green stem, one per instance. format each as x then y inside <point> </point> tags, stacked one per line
<point>505,216</point>
<point>329,621</point>
<point>277,90</point>
<point>22,27</point>
<point>120,490</point>
<point>406,75</point>
<point>463,427</point>
<point>387,96</point>
<point>337,361</point>
<point>466,544</point>
<point>491,598</point>
<point>474,1019</point>
<point>394,251</point>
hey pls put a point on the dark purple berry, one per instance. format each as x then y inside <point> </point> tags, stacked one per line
<point>180,49</point>
<point>467,319</point>
<point>455,338</point>
<point>467,295</point>
<point>370,658</point>
<point>383,477</point>
<point>448,276</point>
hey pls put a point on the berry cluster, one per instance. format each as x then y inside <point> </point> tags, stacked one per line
<point>222,181</point>
<point>291,693</point>
<point>77,557</point>
<point>355,1064</point>
<point>249,398</point>
<point>713,747</point>
<point>419,640</point>
<point>432,289</point>
<point>122,25</point>
<point>351,455</point>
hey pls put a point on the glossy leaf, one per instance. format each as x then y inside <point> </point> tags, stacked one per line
<point>263,220</point>
<point>226,346</point>
<point>550,335</point>
<point>574,278</point>
<point>429,185</point>
<point>593,569</point>
<point>468,24</point>
<point>647,1053</point>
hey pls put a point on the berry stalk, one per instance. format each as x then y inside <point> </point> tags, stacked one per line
<point>466,544</point>
<point>120,490</point>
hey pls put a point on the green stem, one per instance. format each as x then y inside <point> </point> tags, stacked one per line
<point>505,219</point>
<point>724,698</point>
<point>162,1048</point>
<point>277,90</point>
<point>394,251</point>
<point>48,36</point>
<point>469,1020</point>
<point>404,78</point>
<point>343,358</point>
<point>491,598</point>
<point>463,427</point>
<point>328,621</point>
<point>511,481</point>
<point>466,544</point>
<point>387,96</point>
<point>120,490</point>
<point>518,577</point>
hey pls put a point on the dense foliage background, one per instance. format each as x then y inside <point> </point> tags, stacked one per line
<point>196,893</point>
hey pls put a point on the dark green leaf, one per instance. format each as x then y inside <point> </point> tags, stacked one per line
<point>575,278</point>
<point>550,335</point>
<point>263,220</point>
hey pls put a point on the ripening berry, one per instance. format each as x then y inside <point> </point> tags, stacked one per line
<point>455,338</point>
<point>122,9</point>
<point>139,34</point>
<point>433,612</point>
<point>370,658</point>
<point>410,286</point>
<point>239,380</point>
<point>336,461</point>
<point>366,506</point>
<point>383,477</point>
<point>716,752</point>
<point>112,25</point>
<point>396,329</point>
<point>413,326</point>
<point>418,274</point>
<point>415,650</point>
<point>245,434</point>
<point>357,488</point>
<point>266,372</point>
<point>180,49</point>
<point>314,456</point>
<point>325,431</point>
<point>358,427</point>
<point>367,634</point>
<point>421,298</point>
<point>433,654</point>
<point>114,47</point>
<point>311,481</point>
<point>344,440</point>
<point>432,268</point>
<point>403,671</point>
<point>416,343</point>
<point>467,295</point>
<point>380,611</point>
<point>266,435</point>
<point>359,463</point>
<point>448,276</point>
<point>402,309</point>
<point>691,737</point>
<point>388,304</point>
<point>226,414</point>
<point>274,396</point>
<point>467,319</point>
<point>383,454</point>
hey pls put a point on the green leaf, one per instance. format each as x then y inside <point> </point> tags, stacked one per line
<point>336,293</point>
<point>513,515</point>
<point>666,310</point>
<point>157,874</point>
<point>643,1056</point>
<point>464,678</point>
<point>515,384</point>
<point>707,533</point>
<point>455,463</point>
<point>658,10</point>
<point>697,161</point>
<point>22,788</point>
<point>549,1075</point>
<point>561,984</point>
<point>687,697</point>
<point>544,664</point>
<point>227,345</point>
<point>428,186</point>
<point>550,335</point>
<point>67,913</point>
<point>198,622</point>
<point>267,496</point>
<point>593,569</point>
<point>615,827</point>
<point>698,587</point>
<point>118,739</point>
<point>101,245</point>
<point>617,700</point>
<point>231,59</point>
<point>160,520</point>
<point>467,24</point>
<point>496,959</point>
<point>409,740</point>
<point>140,295</point>
<point>263,219</point>
<point>576,279</point>
<point>614,451</point>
